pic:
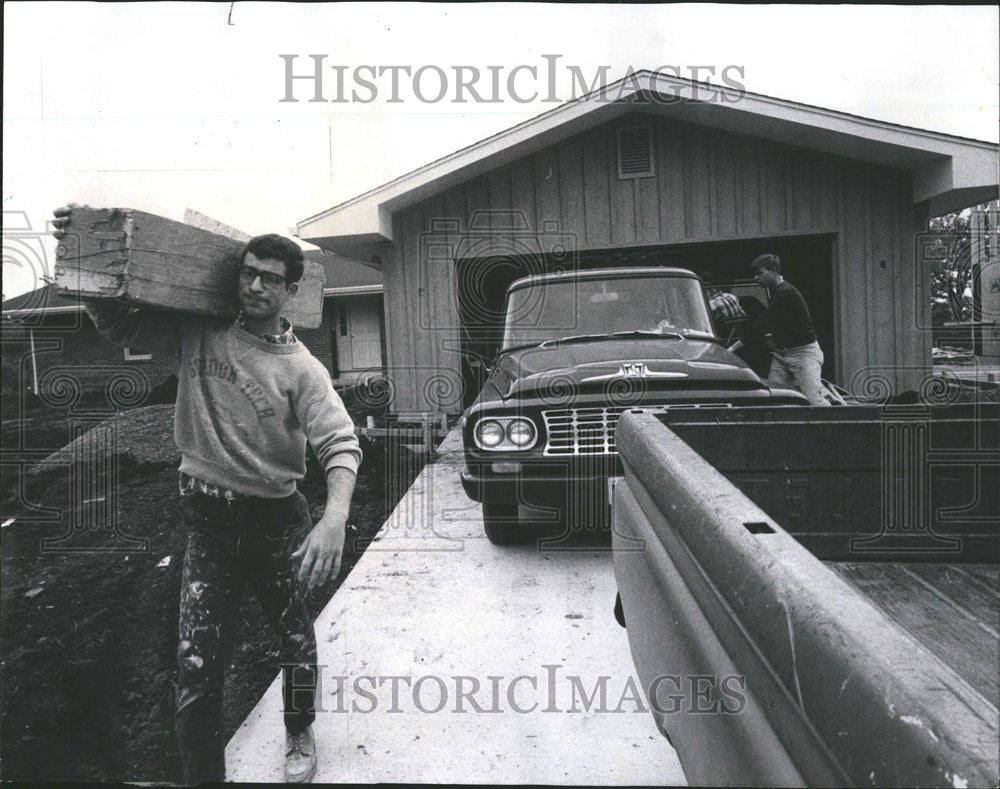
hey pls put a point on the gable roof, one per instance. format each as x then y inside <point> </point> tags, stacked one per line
<point>951,172</point>
<point>44,300</point>
<point>345,276</point>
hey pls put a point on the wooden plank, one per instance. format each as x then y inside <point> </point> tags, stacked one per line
<point>800,181</point>
<point>417,305</point>
<point>398,328</point>
<point>502,223</point>
<point>149,261</point>
<point>774,189</point>
<point>546,189</point>
<point>670,170</point>
<point>749,187</point>
<point>711,144</point>
<point>882,267</point>
<point>622,195</point>
<point>912,295</point>
<point>853,272</point>
<point>972,587</point>
<point>522,191</point>
<point>455,219</point>
<point>198,219</point>
<point>827,177</point>
<point>647,204</point>
<point>725,185</point>
<point>571,205</point>
<point>697,184</point>
<point>441,327</point>
<point>596,197</point>
<point>433,278</point>
<point>935,605</point>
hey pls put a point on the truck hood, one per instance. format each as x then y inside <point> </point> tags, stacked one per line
<point>590,366</point>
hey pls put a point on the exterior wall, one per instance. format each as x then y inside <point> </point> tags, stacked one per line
<point>72,359</point>
<point>319,340</point>
<point>71,356</point>
<point>708,186</point>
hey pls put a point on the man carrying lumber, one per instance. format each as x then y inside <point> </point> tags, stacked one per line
<point>250,396</point>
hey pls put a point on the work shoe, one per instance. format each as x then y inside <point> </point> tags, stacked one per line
<point>300,756</point>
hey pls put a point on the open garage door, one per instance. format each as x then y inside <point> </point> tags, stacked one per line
<point>806,262</point>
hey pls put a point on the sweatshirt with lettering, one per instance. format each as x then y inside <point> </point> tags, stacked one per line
<point>245,407</point>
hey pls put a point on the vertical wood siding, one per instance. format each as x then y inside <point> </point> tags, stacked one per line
<point>708,185</point>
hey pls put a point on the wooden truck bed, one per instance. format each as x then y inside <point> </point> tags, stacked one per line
<point>842,564</point>
<point>952,610</point>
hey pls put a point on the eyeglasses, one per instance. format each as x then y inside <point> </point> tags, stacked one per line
<point>269,280</point>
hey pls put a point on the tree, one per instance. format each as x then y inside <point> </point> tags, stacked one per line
<point>951,268</point>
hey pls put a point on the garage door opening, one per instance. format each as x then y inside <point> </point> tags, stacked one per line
<point>806,262</point>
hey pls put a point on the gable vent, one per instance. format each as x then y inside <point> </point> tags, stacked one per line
<point>635,151</point>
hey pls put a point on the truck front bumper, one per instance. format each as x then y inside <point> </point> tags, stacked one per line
<point>559,487</point>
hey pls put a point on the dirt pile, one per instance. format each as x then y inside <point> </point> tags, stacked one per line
<point>88,604</point>
<point>144,435</point>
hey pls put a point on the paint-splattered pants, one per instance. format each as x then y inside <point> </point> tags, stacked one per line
<point>232,545</point>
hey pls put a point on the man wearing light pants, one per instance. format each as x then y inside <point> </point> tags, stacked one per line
<point>797,360</point>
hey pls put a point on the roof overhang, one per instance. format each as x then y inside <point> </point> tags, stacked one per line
<point>34,312</point>
<point>354,290</point>
<point>949,173</point>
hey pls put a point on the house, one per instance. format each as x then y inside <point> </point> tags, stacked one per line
<point>351,339</point>
<point>51,348</point>
<point>659,170</point>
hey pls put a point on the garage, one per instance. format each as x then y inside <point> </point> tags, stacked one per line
<point>807,262</point>
<point>687,183</point>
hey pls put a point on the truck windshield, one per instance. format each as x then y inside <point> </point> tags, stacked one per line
<point>553,309</point>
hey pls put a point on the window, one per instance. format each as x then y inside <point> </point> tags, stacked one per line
<point>137,356</point>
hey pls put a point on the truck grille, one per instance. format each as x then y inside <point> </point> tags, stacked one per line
<point>591,431</point>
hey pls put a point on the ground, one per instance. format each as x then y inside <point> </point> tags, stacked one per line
<point>88,621</point>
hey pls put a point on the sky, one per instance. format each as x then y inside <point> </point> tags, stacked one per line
<point>167,106</point>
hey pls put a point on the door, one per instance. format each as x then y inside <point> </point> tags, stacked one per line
<point>359,333</point>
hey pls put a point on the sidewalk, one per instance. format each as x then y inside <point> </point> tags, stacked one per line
<point>468,634</point>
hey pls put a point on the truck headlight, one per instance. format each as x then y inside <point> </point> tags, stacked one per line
<point>490,433</point>
<point>505,433</point>
<point>520,432</point>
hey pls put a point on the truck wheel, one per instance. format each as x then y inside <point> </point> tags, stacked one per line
<point>500,522</point>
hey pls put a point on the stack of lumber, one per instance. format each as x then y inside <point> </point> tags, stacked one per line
<point>148,261</point>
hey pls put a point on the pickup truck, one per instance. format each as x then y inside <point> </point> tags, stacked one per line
<point>825,585</point>
<point>578,349</point>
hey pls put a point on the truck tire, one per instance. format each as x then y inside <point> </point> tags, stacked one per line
<point>500,522</point>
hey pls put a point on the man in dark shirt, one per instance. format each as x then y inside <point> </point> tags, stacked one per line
<point>797,359</point>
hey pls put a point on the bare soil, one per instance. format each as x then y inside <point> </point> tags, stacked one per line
<point>88,620</point>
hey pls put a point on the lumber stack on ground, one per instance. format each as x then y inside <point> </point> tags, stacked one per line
<point>148,261</point>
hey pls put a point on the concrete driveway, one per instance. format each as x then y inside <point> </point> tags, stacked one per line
<point>446,659</point>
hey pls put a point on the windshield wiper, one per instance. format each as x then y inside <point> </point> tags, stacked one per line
<point>649,333</point>
<point>646,334</point>
<point>574,338</point>
<point>523,345</point>
<point>555,341</point>
<point>703,335</point>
